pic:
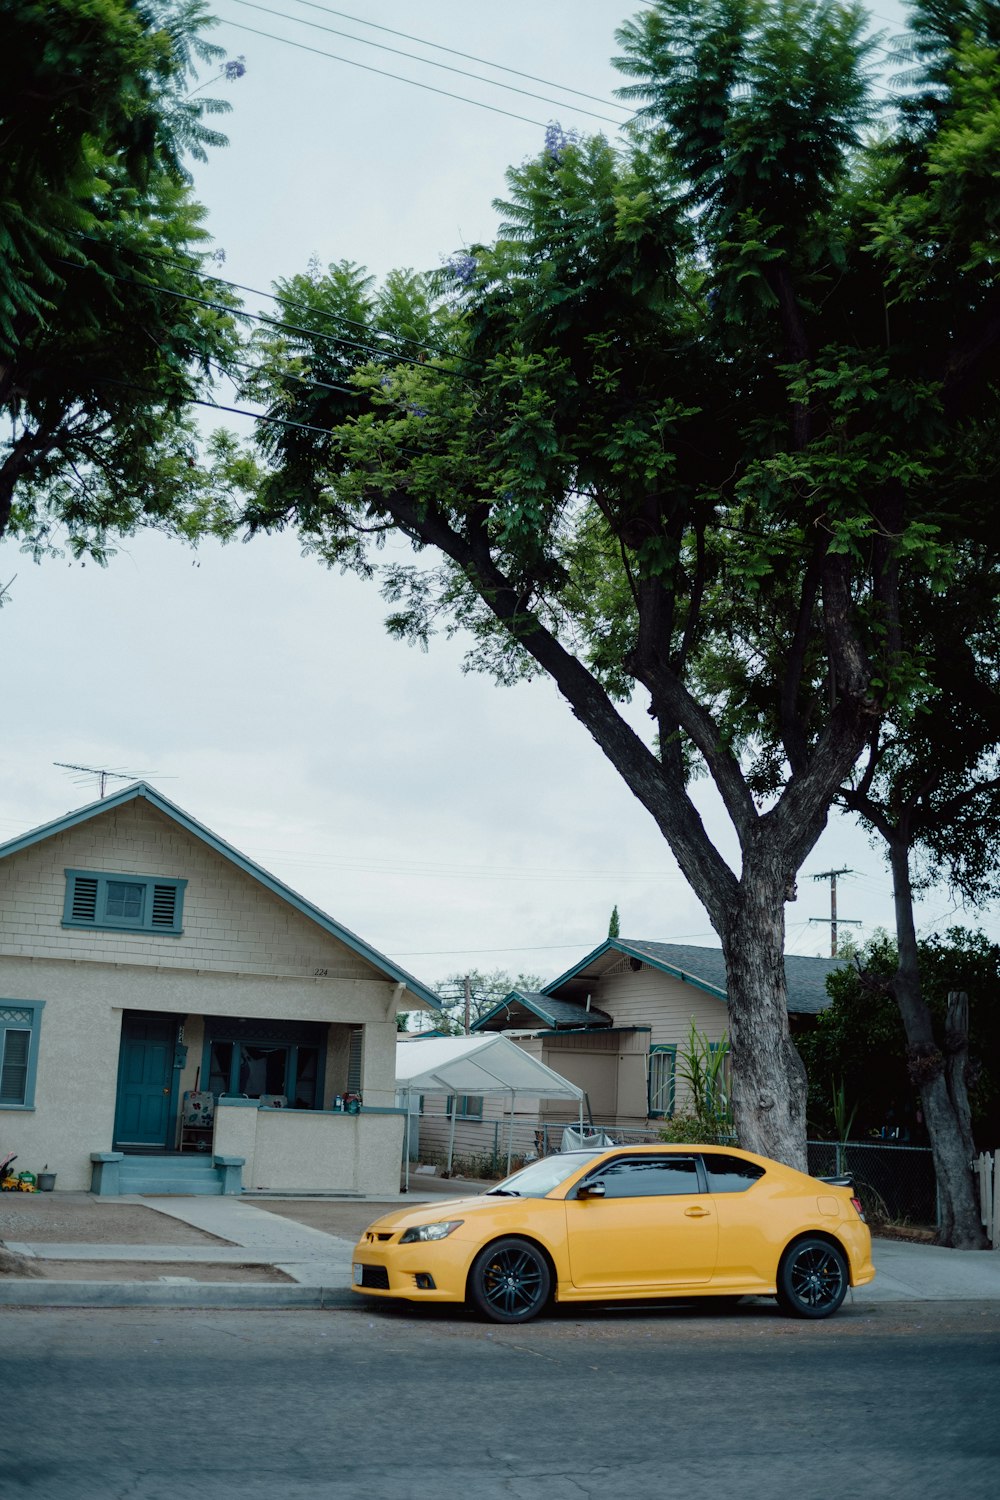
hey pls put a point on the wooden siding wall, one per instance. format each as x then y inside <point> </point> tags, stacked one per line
<point>231,922</point>
<point>648,997</point>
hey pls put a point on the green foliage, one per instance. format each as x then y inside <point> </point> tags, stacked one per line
<point>860,1038</point>
<point>103,344</point>
<point>702,1067</point>
<point>686,1129</point>
<point>614,923</point>
<point>716,404</point>
<point>486,991</point>
<point>843,1120</point>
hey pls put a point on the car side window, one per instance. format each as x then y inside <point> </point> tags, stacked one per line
<point>649,1176</point>
<point>730,1174</point>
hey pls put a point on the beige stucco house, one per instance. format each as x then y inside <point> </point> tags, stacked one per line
<point>171,1014</point>
<point>614,1024</point>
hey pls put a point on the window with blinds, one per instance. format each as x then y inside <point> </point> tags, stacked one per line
<point>19,1024</point>
<point>661,1080</point>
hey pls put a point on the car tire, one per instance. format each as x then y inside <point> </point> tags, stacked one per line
<point>812,1279</point>
<point>510,1281</point>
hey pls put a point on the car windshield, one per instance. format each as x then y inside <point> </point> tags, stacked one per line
<point>542,1176</point>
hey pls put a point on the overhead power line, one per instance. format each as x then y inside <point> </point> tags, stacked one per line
<point>426,62</point>
<point>281,298</point>
<point>469,56</point>
<point>236,411</point>
<point>382,72</point>
<point>238,312</point>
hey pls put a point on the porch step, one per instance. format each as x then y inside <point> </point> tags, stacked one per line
<point>171,1176</point>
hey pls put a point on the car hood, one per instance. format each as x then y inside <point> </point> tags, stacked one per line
<point>446,1208</point>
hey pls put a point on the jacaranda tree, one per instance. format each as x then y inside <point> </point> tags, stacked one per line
<point>707,385</point>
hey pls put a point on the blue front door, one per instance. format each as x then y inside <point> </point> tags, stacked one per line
<point>145,1112</point>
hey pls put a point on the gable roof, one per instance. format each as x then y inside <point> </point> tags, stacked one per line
<point>705,969</point>
<point>141,790</point>
<point>554,1014</point>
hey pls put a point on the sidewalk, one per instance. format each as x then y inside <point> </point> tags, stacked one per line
<point>190,1252</point>
<point>252,1252</point>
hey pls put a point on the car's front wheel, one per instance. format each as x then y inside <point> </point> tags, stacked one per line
<point>812,1279</point>
<point>509,1281</point>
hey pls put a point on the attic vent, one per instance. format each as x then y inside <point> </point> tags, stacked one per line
<point>164,905</point>
<point>84,899</point>
<point>623,966</point>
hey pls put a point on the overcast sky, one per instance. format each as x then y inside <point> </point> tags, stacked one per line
<point>449,822</point>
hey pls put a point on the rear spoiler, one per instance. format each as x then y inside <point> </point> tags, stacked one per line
<point>845,1181</point>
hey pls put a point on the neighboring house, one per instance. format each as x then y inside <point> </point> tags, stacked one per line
<point>143,959</point>
<point>614,1023</point>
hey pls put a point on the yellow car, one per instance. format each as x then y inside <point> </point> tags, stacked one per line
<point>628,1222</point>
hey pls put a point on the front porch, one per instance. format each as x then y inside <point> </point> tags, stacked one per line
<point>254,1147</point>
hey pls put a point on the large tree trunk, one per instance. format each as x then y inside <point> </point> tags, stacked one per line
<point>748,913</point>
<point>768,1078</point>
<point>945,1112</point>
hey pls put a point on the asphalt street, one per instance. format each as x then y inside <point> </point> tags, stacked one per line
<point>395,1404</point>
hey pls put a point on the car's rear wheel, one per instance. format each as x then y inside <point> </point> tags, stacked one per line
<point>812,1279</point>
<point>510,1281</point>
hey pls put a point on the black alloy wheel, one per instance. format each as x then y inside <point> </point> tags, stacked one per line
<point>509,1281</point>
<point>812,1279</point>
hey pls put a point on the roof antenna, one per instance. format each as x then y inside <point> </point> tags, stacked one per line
<point>103,773</point>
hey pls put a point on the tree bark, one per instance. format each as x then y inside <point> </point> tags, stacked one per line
<point>768,1078</point>
<point>950,1139</point>
<point>747,912</point>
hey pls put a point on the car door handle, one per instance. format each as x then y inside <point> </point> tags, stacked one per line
<point>697,1213</point>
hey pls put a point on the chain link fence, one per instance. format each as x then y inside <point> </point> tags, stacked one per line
<point>896,1183</point>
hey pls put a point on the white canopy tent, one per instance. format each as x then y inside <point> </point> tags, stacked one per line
<point>489,1065</point>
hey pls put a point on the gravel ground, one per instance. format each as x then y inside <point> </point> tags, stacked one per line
<point>77,1218</point>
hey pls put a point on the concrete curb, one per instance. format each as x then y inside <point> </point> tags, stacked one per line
<point>22,1292</point>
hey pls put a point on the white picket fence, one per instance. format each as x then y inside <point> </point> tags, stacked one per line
<point>987,1169</point>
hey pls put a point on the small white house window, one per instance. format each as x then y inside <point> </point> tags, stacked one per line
<point>661,1080</point>
<point>20,1022</point>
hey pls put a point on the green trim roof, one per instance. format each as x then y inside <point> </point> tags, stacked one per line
<point>705,969</point>
<point>141,790</point>
<point>555,1014</point>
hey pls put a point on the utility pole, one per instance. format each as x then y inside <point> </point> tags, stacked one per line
<point>468,1006</point>
<point>831,876</point>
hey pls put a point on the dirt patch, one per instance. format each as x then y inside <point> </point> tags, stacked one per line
<point>910,1233</point>
<point>43,1219</point>
<point>349,1220</point>
<point>15,1265</point>
<point>121,1270</point>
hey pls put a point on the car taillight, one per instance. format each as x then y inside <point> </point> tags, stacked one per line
<point>861,1213</point>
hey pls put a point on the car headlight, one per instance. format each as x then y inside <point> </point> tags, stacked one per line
<point>429,1231</point>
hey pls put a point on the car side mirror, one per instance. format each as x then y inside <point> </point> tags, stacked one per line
<point>592,1190</point>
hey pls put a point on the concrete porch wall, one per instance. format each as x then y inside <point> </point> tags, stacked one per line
<point>302,1150</point>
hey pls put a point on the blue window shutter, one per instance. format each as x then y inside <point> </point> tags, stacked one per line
<point>164,913</point>
<point>354,1055</point>
<point>83,902</point>
<point>123,903</point>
